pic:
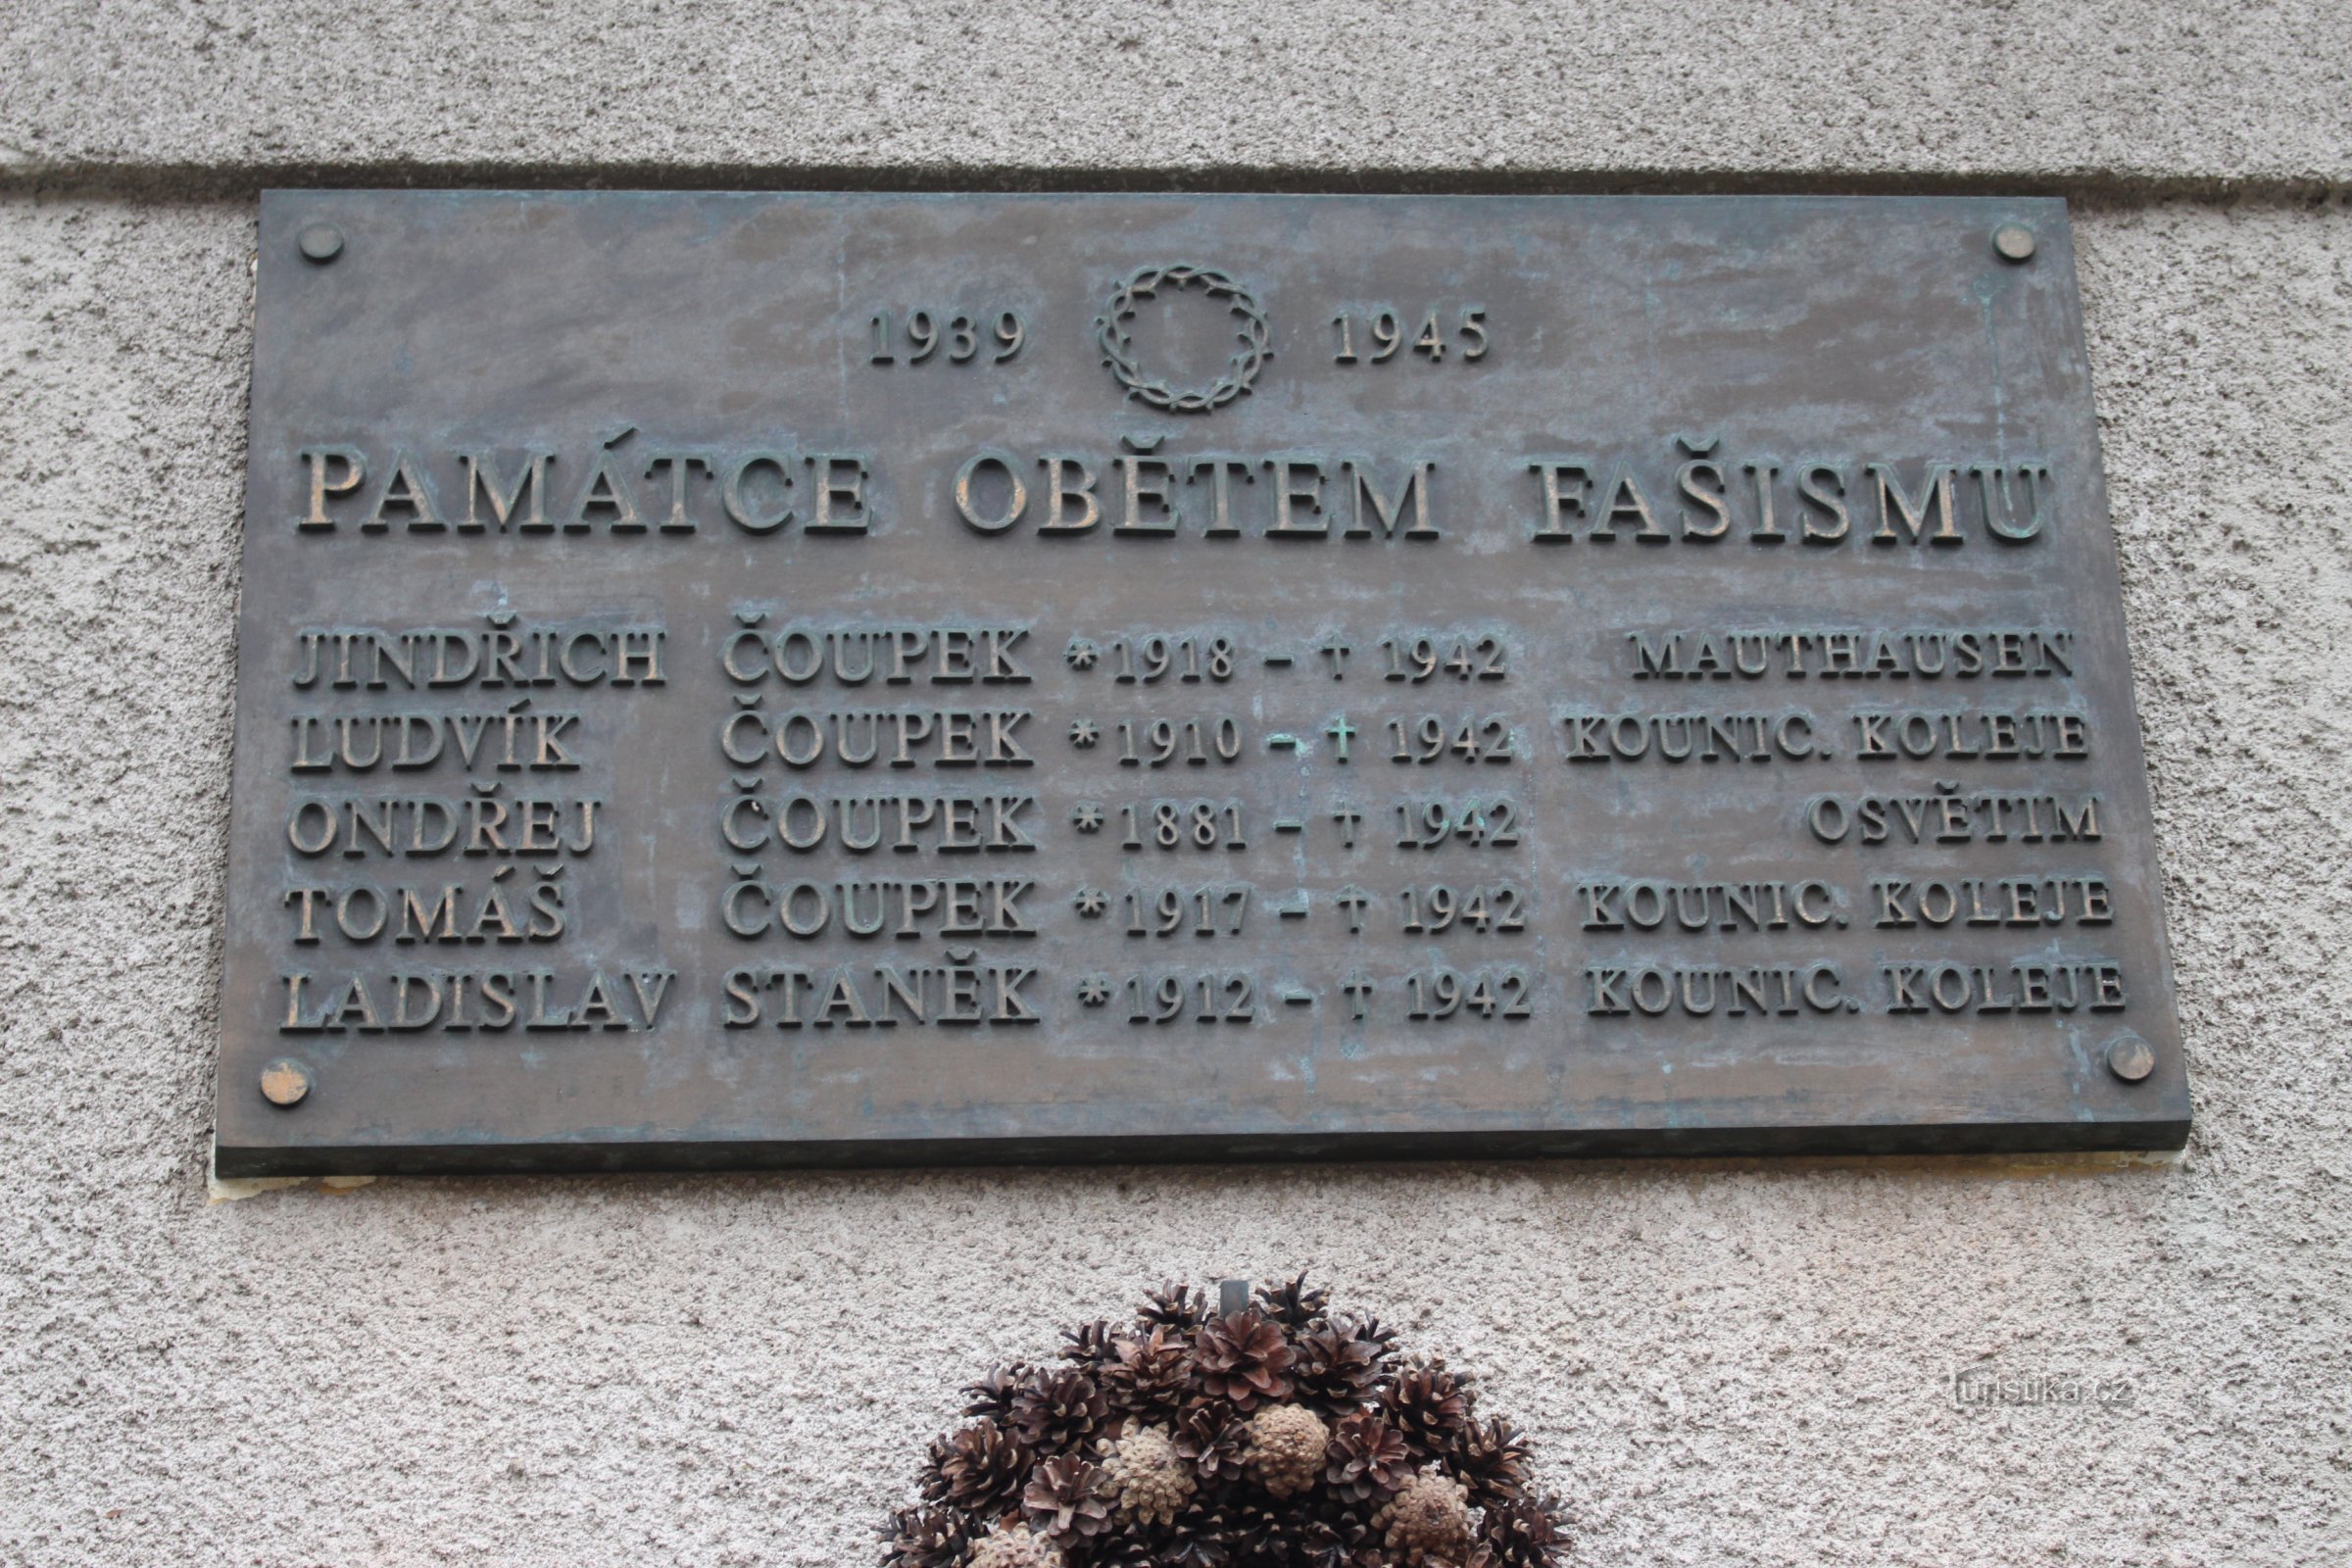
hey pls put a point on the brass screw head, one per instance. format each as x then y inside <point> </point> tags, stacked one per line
<point>2129,1057</point>
<point>320,242</point>
<point>285,1081</point>
<point>2013,242</point>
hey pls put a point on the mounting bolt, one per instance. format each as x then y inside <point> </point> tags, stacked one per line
<point>320,242</point>
<point>2014,242</point>
<point>2129,1057</point>
<point>1233,1296</point>
<point>285,1081</point>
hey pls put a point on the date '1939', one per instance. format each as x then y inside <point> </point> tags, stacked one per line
<point>959,332</point>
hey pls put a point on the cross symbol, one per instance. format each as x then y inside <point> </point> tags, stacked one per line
<point>1339,729</point>
<point>1337,651</point>
<point>1353,899</point>
<point>1357,986</point>
<point>1347,817</point>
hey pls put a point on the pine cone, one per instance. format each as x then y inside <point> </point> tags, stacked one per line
<point>1150,1376</point>
<point>1328,1543</point>
<point>1065,1500</point>
<point>1269,1534</point>
<point>1366,1458</point>
<point>1017,1547</point>
<point>1214,1444</point>
<point>1057,1409</point>
<point>1147,1479</point>
<point>1527,1533</point>
<point>1090,1344</point>
<point>991,1395</point>
<point>1337,1367</point>
<point>1428,1518</point>
<point>1286,1446</point>
<point>1173,1306</point>
<point>1200,1539</point>
<point>978,1469</point>
<point>922,1538</point>
<point>1244,1358</point>
<point>1265,1534</point>
<point>1428,1405</point>
<point>1123,1548</point>
<point>1490,1457</point>
<point>1293,1304</point>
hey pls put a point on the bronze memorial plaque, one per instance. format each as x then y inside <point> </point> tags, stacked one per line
<point>744,679</point>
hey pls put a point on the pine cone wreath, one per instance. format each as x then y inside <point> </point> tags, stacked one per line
<point>1283,1436</point>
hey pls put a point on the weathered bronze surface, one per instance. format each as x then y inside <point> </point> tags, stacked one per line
<point>739,679</point>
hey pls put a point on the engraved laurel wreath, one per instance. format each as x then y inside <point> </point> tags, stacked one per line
<point>1118,344</point>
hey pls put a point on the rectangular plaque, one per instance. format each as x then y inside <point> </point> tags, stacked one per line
<point>754,679</point>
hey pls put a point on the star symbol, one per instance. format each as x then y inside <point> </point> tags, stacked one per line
<point>1084,733</point>
<point>1080,654</point>
<point>1088,817</point>
<point>1091,901</point>
<point>1094,991</point>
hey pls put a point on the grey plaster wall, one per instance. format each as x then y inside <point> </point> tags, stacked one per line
<point>1725,1363</point>
<point>2171,95</point>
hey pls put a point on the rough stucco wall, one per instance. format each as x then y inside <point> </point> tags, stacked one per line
<point>1727,1364</point>
<point>1724,1363</point>
<point>2174,95</point>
